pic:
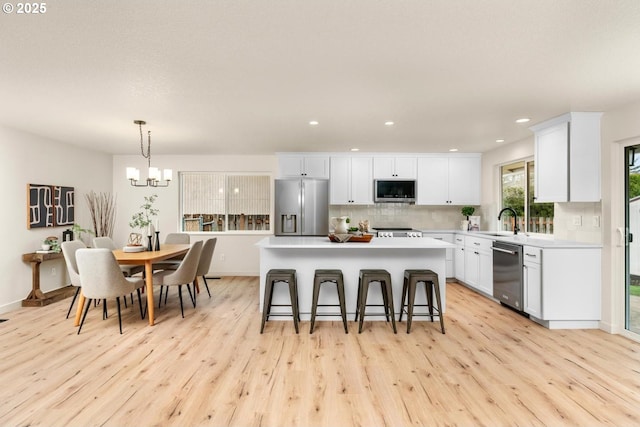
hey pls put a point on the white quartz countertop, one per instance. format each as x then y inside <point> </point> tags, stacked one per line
<point>523,239</point>
<point>308,242</point>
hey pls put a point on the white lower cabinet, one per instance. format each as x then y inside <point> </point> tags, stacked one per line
<point>458,258</point>
<point>562,286</point>
<point>532,275</point>
<point>478,264</point>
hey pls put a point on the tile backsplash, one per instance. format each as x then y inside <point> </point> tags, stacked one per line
<point>567,217</point>
<point>403,215</point>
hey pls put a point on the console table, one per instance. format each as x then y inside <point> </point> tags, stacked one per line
<point>37,298</point>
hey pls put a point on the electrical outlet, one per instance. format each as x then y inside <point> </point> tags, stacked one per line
<point>53,271</point>
<point>596,221</point>
<point>577,220</point>
<point>222,257</point>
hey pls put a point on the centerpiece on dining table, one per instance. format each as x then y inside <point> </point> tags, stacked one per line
<point>143,220</point>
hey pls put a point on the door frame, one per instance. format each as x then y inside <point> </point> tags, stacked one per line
<point>617,292</point>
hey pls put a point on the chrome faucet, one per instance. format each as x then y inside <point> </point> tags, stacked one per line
<point>515,218</point>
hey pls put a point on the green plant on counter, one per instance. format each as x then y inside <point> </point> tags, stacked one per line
<point>468,211</point>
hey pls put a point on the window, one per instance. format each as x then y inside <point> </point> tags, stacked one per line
<point>215,201</point>
<point>517,193</point>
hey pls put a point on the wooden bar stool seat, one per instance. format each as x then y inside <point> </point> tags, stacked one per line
<point>328,276</point>
<point>274,276</point>
<point>384,278</point>
<point>411,280</point>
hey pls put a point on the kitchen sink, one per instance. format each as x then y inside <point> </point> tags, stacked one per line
<point>507,237</point>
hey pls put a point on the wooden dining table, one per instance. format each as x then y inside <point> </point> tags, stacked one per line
<point>146,258</point>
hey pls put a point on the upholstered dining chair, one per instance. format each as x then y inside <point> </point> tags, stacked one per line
<point>185,274</point>
<point>69,252</point>
<point>128,270</point>
<point>107,243</point>
<point>102,278</point>
<point>205,262</point>
<point>177,238</point>
<point>173,263</point>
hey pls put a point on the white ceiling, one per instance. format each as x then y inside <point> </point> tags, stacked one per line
<point>246,77</point>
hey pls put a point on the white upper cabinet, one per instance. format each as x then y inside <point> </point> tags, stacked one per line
<point>306,166</point>
<point>567,158</point>
<point>449,180</point>
<point>395,167</point>
<point>351,180</point>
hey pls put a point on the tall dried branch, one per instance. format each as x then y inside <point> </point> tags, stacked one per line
<point>102,207</point>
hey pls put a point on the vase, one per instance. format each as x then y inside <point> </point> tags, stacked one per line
<point>340,224</point>
<point>464,225</point>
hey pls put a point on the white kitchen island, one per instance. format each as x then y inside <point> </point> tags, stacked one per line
<point>306,254</point>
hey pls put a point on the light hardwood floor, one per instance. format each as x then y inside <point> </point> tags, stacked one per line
<point>492,368</point>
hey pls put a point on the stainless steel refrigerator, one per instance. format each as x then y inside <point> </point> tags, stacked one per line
<point>301,207</point>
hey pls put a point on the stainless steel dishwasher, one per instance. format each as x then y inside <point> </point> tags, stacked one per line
<point>507,274</point>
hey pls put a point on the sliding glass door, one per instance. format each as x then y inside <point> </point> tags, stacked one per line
<point>632,237</point>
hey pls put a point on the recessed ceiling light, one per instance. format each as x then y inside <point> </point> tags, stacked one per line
<point>499,140</point>
<point>314,123</point>
<point>453,149</point>
<point>355,149</point>
<point>389,123</point>
<point>523,120</point>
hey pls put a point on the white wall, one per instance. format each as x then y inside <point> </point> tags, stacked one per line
<point>24,159</point>
<point>241,257</point>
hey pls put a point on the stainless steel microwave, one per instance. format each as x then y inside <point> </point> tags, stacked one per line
<point>394,191</point>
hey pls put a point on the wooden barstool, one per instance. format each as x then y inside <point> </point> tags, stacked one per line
<point>328,276</point>
<point>411,280</point>
<point>384,278</point>
<point>280,275</point>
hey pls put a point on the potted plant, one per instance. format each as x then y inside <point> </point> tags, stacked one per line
<point>142,220</point>
<point>77,231</point>
<point>51,243</point>
<point>467,211</point>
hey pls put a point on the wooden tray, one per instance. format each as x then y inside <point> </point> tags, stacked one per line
<point>365,238</point>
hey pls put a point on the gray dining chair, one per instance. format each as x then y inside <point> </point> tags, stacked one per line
<point>69,252</point>
<point>205,262</point>
<point>177,238</point>
<point>185,274</point>
<point>102,279</point>
<point>173,263</point>
<point>108,243</point>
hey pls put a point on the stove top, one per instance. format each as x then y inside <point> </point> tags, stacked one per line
<point>397,232</point>
<point>393,228</point>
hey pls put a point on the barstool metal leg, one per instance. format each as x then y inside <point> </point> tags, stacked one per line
<point>389,293</point>
<point>293,294</point>
<point>402,301</point>
<point>268,290</point>
<point>343,307</point>
<point>364,290</point>
<point>314,303</point>
<point>437,292</point>
<point>412,298</point>
<point>358,298</point>
<point>429,290</point>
